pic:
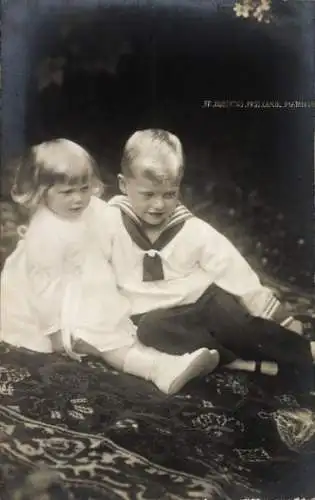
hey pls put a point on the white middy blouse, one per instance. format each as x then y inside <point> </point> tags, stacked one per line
<point>197,256</point>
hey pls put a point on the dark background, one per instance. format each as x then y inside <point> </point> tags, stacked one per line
<point>249,171</point>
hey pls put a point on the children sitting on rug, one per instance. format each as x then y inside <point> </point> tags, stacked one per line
<point>57,287</point>
<point>187,284</point>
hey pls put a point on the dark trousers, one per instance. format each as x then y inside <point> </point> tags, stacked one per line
<point>218,321</point>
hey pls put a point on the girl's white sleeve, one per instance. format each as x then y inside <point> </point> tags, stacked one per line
<point>51,264</point>
<point>234,275</point>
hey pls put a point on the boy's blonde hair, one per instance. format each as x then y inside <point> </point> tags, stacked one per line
<point>59,161</point>
<point>161,150</point>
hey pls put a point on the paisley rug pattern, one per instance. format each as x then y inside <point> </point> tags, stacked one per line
<point>83,431</point>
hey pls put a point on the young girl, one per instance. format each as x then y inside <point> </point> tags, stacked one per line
<point>58,289</point>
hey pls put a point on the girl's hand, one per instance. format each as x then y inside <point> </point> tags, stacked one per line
<point>56,341</point>
<point>21,231</point>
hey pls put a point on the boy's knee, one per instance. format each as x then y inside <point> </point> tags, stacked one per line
<point>143,333</point>
<point>148,328</point>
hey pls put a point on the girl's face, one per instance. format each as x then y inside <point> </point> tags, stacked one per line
<point>68,200</point>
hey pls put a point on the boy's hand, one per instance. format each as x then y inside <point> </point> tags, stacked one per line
<point>296,326</point>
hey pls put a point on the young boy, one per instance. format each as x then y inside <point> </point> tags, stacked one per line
<point>187,284</point>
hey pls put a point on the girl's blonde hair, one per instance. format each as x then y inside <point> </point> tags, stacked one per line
<point>59,161</point>
<point>161,149</point>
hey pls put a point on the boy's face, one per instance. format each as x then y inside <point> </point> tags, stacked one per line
<point>153,201</point>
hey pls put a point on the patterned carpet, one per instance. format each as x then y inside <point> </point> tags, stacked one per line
<point>82,431</point>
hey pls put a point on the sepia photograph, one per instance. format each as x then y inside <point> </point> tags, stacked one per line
<point>157,307</point>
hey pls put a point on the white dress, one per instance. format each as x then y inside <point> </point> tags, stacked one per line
<point>58,278</point>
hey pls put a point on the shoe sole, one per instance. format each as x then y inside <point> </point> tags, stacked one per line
<point>203,363</point>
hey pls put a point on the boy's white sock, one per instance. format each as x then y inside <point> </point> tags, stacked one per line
<point>265,367</point>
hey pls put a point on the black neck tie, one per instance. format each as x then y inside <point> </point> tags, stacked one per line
<point>152,262</point>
